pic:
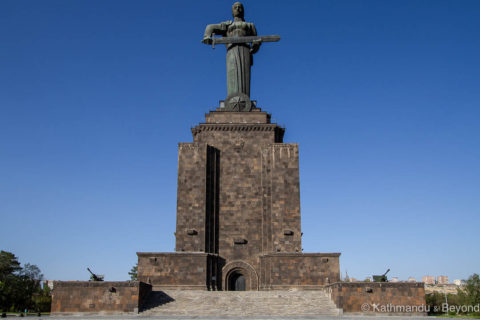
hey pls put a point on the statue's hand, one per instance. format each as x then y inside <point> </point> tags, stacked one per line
<point>255,45</point>
<point>207,40</point>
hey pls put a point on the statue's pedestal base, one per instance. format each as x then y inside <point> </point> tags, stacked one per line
<point>219,116</point>
<point>238,212</point>
<point>222,106</point>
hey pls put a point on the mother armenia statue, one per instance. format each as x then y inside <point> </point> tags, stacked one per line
<point>242,42</point>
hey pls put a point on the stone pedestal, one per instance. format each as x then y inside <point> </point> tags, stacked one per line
<point>238,201</point>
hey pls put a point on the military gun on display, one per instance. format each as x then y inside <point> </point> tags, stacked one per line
<point>95,277</point>
<point>382,278</point>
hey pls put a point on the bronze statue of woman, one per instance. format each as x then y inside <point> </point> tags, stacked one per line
<point>239,55</point>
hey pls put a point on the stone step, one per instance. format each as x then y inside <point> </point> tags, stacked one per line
<point>237,303</point>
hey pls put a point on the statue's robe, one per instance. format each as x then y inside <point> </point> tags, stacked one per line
<point>239,56</point>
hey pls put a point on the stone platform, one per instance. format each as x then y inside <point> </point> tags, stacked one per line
<point>159,317</point>
<point>238,213</point>
<point>362,298</point>
<point>240,303</point>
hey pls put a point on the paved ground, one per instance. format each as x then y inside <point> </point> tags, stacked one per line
<point>120,317</point>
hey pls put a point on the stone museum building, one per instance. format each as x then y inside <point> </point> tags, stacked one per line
<point>238,224</point>
<point>238,212</point>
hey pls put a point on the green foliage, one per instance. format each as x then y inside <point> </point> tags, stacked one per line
<point>8,264</point>
<point>43,300</point>
<point>469,295</point>
<point>472,289</point>
<point>18,286</point>
<point>134,272</point>
<point>434,301</point>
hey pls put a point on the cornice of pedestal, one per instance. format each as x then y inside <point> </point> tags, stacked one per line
<point>203,127</point>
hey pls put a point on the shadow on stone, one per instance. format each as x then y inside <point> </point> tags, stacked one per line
<point>156,299</point>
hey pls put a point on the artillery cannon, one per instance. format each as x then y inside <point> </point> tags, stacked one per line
<point>95,277</point>
<point>381,278</point>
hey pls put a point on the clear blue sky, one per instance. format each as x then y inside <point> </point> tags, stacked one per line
<point>382,96</point>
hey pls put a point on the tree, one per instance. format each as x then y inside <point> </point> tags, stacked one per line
<point>43,300</point>
<point>9,267</point>
<point>18,285</point>
<point>134,272</point>
<point>472,289</point>
<point>32,272</point>
<point>30,278</point>
<point>469,295</point>
<point>8,264</point>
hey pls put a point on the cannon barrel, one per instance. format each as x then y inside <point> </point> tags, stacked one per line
<point>94,276</point>
<point>381,278</point>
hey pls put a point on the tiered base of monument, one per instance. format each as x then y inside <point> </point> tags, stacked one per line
<point>238,239</point>
<point>336,299</point>
<point>238,213</point>
<point>201,271</point>
<point>82,297</point>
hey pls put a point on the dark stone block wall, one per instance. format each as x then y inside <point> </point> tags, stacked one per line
<point>299,270</point>
<point>181,270</point>
<point>191,188</point>
<point>389,298</point>
<point>107,297</point>
<point>238,199</point>
<point>258,187</point>
<point>281,203</point>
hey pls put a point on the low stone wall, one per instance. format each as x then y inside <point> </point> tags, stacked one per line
<point>179,270</point>
<point>282,271</point>
<point>388,298</point>
<point>69,297</point>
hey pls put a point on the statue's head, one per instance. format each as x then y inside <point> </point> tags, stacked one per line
<point>237,10</point>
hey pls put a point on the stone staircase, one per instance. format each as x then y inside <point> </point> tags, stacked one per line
<point>239,303</point>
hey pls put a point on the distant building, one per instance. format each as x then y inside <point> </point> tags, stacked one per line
<point>442,279</point>
<point>48,283</point>
<point>411,279</point>
<point>394,279</point>
<point>428,279</point>
<point>458,282</point>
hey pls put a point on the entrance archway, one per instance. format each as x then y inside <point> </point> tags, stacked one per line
<point>239,275</point>
<point>236,281</point>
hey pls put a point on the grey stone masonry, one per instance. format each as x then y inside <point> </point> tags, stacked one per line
<point>238,201</point>
<point>221,304</point>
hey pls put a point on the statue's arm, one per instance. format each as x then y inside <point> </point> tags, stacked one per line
<point>218,29</point>
<point>255,44</point>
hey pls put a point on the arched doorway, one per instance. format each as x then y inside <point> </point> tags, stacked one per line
<point>236,281</point>
<point>235,273</point>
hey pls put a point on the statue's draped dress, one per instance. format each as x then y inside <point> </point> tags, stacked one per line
<point>239,58</point>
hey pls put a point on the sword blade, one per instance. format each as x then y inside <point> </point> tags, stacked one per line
<point>226,40</point>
